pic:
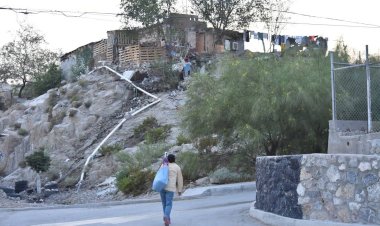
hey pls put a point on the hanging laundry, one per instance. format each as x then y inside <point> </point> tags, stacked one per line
<point>313,38</point>
<point>286,38</point>
<point>260,36</point>
<point>247,36</point>
<point>227,45</point>
<point>254,35</point>
<point>274,39</point>
<point>298,40</point>
<point>305,41</point>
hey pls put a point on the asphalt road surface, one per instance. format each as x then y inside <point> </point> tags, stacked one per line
<point>224,210</point>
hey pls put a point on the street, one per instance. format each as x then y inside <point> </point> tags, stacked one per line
<point>229,209</point>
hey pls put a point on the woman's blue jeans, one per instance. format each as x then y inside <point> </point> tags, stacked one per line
<point>167,202</point>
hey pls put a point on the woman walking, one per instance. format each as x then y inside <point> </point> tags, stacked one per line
<point>175,184</point>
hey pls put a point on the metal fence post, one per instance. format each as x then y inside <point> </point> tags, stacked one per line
<point>332,86</point>
<point>368,73</point>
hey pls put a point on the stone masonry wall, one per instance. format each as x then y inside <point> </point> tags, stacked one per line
<point>339,187</point>
<point>276,183</point>
<point>342,188</point>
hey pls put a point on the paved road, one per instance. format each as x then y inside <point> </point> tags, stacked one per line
<point>225,210</point>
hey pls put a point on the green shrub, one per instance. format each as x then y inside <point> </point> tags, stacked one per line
<point>22,164</point>
<point>72,93</point>
<point>17,125</point>
<point>82,83</point>
<point>225,176</point>
<point>157,134</point>
<point>52,174</point>
<point>169,77</point>
<point>147,124</point>
<point>49,80</point>
<point>277,102</point>
<point>22,132</point>
<point>70,181</point>
<point>77,104</point>
<point>62,90</point>
<point>151,131</point>
<point>206,143</point>
<point>53,99</point>
<point>58,118</point>
<point>243,160</point>
<point>111,149</point>
<point>72,112</point>
<point>191,165</point>
<point>74,98</point>
<point>134,181</point>
<point>84,62</point>
<point>88,104</point>
<point>38,161</point>
<point>148,154</point>
<point>182,139</point>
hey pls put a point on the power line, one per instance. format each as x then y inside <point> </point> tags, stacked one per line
<point>321,24</point>
<point>80,14</point>
<point>328,18</point>
<point>62,12</point>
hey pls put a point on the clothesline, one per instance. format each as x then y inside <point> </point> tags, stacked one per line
<point>287,39</point>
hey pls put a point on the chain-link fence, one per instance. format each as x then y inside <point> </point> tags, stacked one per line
<point>350,96</point>
<point>375,94</point>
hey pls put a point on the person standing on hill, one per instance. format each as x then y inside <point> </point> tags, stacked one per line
<point>175,184</point>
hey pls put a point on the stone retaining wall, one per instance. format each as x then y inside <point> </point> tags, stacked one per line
<point>342,188</point>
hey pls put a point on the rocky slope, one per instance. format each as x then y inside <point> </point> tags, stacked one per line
<point>69,122</point>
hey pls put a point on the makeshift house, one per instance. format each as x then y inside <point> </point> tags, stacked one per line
<point>83,59</point>
<point>207,41</point>
<point>175,38</point>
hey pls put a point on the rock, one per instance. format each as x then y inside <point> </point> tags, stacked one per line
<point>354,206</point>
<point>369,179</point>
<point>6,97</point>
<point>373,192</point>
<point>188,147</point>
<point>333,174</point>
<point>365,166</point>
<point>202,181</point>
<point>344,214</point>
<point>347,191</point>
<point>2,194</point>
<point>305,175</point>
<point>300,190</point>
<point>107,191</point>
<point>108,182</point>
<point>21,173</point>
<point>21,186</point>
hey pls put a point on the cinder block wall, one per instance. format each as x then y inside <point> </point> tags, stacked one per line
<point>333,187</point>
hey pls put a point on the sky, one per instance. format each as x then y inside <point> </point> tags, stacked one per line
<point>66,33</point>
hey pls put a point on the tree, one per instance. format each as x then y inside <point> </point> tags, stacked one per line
<point>225,14</point>
<point>275,16</point>
<point>24,58</point>
<point>276,105</point>
<point>84,62</point>
<point>39,162</point>
<point>48,80</point>
<point>146,12</point>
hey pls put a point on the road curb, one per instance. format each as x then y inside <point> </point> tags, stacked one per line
<point>192,193</point>
<point>275,220</point>
<point>220,189</point>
